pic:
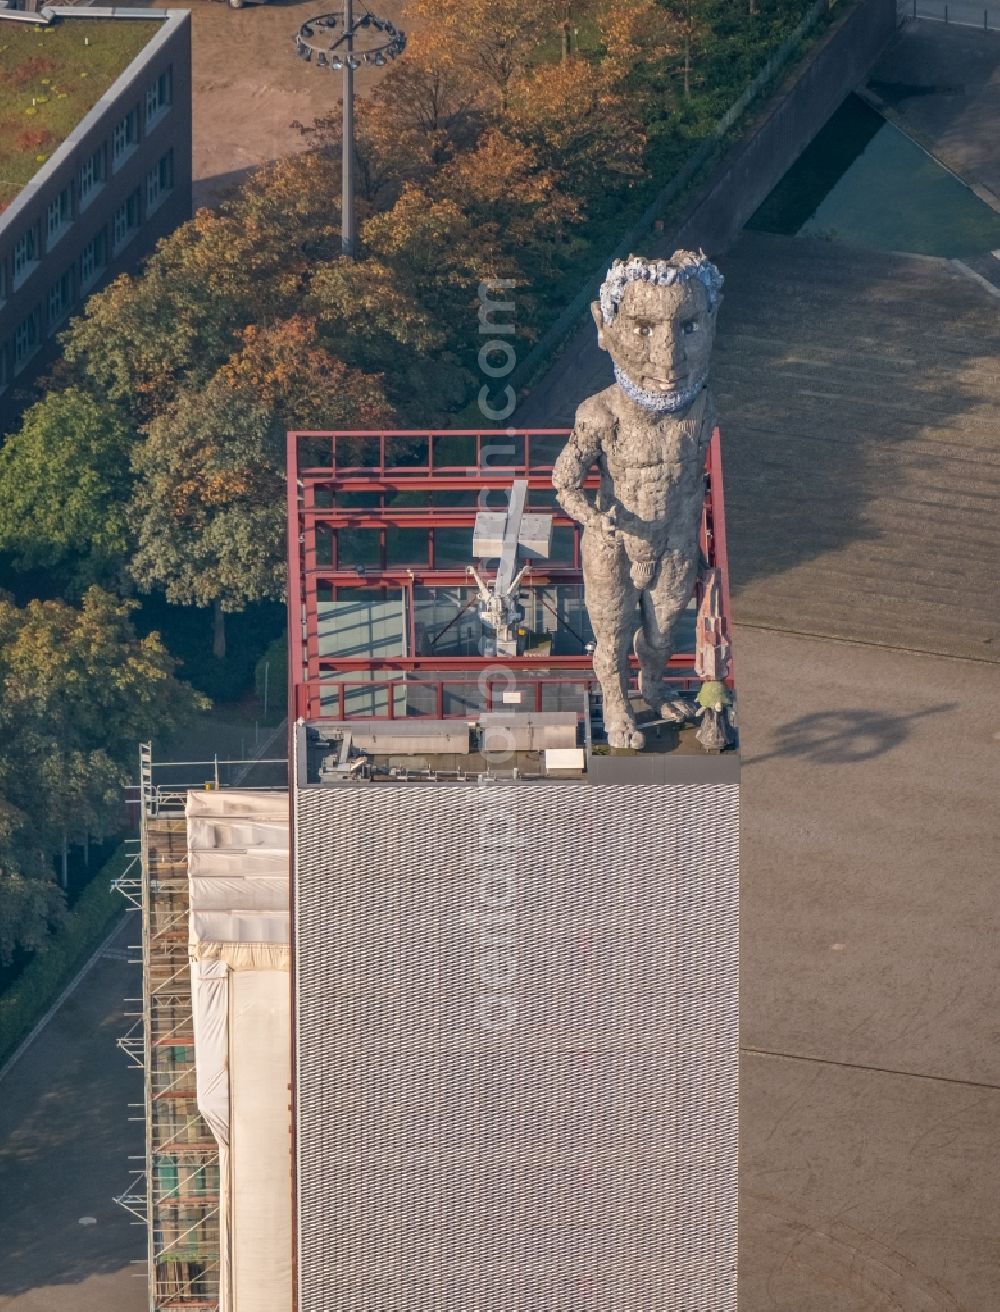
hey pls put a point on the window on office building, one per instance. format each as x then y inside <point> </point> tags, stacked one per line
<point>25,340</point>
<point>159,181</point>
<point>25,255</point>
<point>125,223</point>
<point>60,300</point>
<point>59,216</point>
<point>92,177</point>
<point>159,97</point>
<point>124,138</point>
<point>3,369</point>
<point>94,260</point>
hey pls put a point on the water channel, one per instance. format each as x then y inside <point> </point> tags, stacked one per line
<point>864,182</point>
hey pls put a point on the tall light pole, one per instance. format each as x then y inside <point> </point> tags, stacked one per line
<point>313,39</point>
<point>347,166</point>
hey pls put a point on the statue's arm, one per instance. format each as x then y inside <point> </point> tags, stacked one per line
<point>575,461</point>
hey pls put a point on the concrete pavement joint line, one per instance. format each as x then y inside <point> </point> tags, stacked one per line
<point>856,642</point>
<point>875,1070</point>
<point>977,277</point>
<point>70,988</point>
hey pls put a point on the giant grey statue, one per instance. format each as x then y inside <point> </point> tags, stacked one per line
<point>648,433</point>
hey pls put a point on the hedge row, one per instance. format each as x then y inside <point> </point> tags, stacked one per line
<point>52,967</point>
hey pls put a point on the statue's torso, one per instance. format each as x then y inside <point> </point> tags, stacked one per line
<point>652,467</point>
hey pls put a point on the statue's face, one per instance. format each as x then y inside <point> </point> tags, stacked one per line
<point>661,337</point>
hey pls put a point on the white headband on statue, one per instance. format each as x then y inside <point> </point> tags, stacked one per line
<point>684,266</point>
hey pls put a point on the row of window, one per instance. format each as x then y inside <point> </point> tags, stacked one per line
<point>93,174</point>
<point>80,277</point>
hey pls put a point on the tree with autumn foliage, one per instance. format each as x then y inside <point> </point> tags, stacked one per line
<point>78,689</point>
<point>415,119</point>
<point>490,42</point>
<point>641,39</point>
<point>145,337</point>
<point>368,313</point>
<point>435,251</point>
<point>514,203</point>
<point>208,510</point>
<point>582,130</point>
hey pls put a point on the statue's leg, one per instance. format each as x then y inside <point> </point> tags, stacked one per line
<point>661,605</point>
<point>611,599</point>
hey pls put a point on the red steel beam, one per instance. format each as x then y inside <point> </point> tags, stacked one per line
<point>425,576</point>
<point>719,554</point>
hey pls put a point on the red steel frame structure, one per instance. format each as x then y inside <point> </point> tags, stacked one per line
<point>317,483</point>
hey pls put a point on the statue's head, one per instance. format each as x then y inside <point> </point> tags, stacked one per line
<point>656,318</point>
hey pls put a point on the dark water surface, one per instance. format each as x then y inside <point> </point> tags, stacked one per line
<point>864,182</point>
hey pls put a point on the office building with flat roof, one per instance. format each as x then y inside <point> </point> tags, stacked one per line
<point>95,164</point>
<point>452,1021</point>
<point>514,948</point>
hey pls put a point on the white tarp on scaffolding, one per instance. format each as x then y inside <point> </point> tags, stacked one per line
<point>238,938</point>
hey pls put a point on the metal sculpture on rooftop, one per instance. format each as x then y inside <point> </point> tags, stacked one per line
<point>649,433</point>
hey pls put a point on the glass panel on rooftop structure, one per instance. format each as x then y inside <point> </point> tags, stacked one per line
<point>452,548</point>
<point>407,546</point>
<point>446,622</point>
<point>357,452</point>
<point>561,551</point>
<point>455,450</point>
<point>357,546</point>
<point>324,545</point>
<point>402,497</point>
<point>499,451</point>
<point>362,622</point>
<point>363,696</point>
<point>543,449</point>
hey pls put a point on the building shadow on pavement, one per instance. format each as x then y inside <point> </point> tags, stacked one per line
<point>843,737</point>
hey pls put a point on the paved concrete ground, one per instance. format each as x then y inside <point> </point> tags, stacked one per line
<point>65,1138</point>
<point>250,86</point>
<point>871,1076</point>
<point>943,87</point>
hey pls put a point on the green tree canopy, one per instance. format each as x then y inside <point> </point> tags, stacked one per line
<point>64,482</point>
<point>78,690</point>
<point>366,311</point>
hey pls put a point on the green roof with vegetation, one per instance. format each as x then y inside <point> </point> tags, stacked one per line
<point>50,76</point>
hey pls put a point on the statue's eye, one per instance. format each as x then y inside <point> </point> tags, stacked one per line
<point>691,326</point>
<point>643,330</point>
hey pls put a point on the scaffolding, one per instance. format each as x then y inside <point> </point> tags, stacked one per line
<point>175,1192</point>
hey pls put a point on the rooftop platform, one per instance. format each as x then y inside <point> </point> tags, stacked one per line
<point>393,538</point>
<point>51,75</point>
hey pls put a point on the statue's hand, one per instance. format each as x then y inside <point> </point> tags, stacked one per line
<point>606,522</point>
